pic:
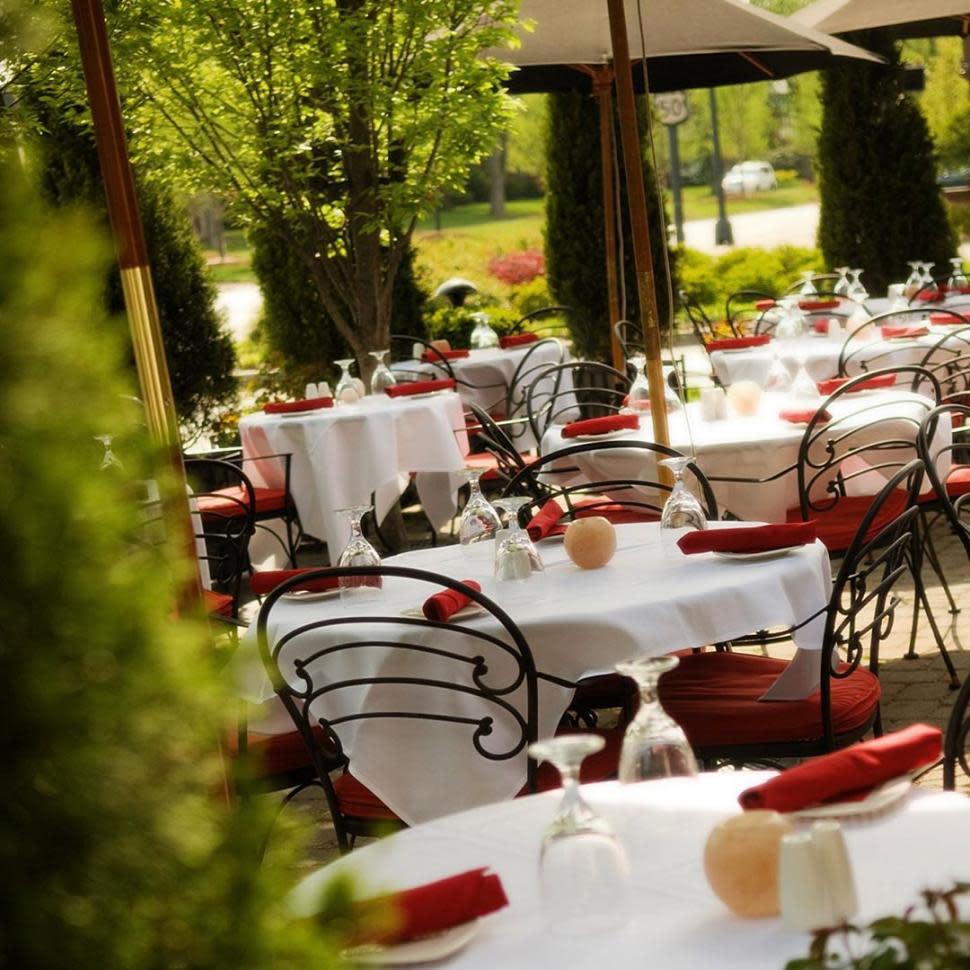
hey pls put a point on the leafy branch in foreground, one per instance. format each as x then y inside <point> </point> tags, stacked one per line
<point>929,936</point>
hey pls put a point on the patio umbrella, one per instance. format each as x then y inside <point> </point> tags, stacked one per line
<point>691,43</point>
<point>928,18</point>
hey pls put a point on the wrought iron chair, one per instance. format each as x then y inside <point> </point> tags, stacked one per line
<point>339,671</point>
<point>933,291</point>
<point>824,284</point>
<point>630,336</point>
<point>499,460</point>
<point>949,362</point>
<point>702,325</point>
<point>534,362</point>
<point>547,321</point>
<point>578,389</point>
<point>955,742</point>
<point>746,310</point>
<point>715,696</point>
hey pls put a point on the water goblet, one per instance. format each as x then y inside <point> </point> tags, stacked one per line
<point>807,288</point>
<point>482,335</point>
<point>583,871</point>
<point>915,279</point>
<point>926,280</point>
<point>841,287</point>
<point>778,377</point>
<point>515,556</point>
<point>358,552</point>
<point>682,512</point>
<point>791,325</point>
<point>383,377</point>
<point>856,290</point>
<point>654,744</point>
<point>480,523</point>
<point>638,397</point>
<point>958,278</point>
<point>346,391</point>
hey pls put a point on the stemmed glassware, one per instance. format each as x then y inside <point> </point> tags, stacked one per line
<point>841,287</point>
<point>856,290</point>
<point>109,458</point>
<point>638,397</point>
<point>358,552</point>
<point>926,280</point>
<point>807,288</point>
<point>383,377</point>
<point>480,523</point>
<point>778,378</point>
<point>792,323</point>
<point>482,334</point>
<point>515,556</point>
<point>915,279</point>
<point>958,278</point>
<point>682,512</point>
<point>654,744</point>
<point>346,391</point>
<point>583,870</point>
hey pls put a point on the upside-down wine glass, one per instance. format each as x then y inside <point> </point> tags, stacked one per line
<point>583,871</point>
<point>638,397</point>
<point>109,458</point>
<point>915,279</point>
<point>358,552</point>
<point>482,335</point>
<point>346,390</point>
<point>682,512</point>
<point>383,377</point>
<point>791,325</point>
<point>926,280</point>
<point>480,523</point>
<point>841,287</point>
<point>808,288</point>
<point>958,278</point>
<point>515,556</point>
<point>654,744</point>
<point>856,290</point>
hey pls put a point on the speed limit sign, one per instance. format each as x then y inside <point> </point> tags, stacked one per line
<point>672,107</point>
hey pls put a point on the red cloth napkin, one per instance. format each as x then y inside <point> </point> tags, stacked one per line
<point>612,422</point>
<point>946,320</point>
<point>517,340</point>
<point>931,296</point>
<point>764,304</point>
<point>291,407</point>
<point>759,538</point>
<point>831,386</point>
<point>266,580</point>
<point>430,356</point>
<point>738,343</point>
<point>441,606</point>
<point>803,415</point>
<point>431,908</point>
<point>817,304</point>
<point>544,522</point>
<point>419,387</point>
<point>849,774</point>
<point>822,324</point>
<point>890,331</point>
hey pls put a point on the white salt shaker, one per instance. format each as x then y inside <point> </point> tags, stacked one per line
<point>833,858</point>
<point>834,329</point>
<point>802,891</point>
<point>713,404</point>
<point>323,389</point>
<point>310,391</point>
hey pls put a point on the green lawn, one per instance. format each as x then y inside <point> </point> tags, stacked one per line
<point>234,266</point>
<point>701,203</point>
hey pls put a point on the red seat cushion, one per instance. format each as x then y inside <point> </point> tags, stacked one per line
<point>485,462</point>
<point>231,502</point>
<point>958,481</point>
<point>220,603</point>
<point>275,754</point>
<point>358,801</point>
<point>837,527</point>
<point>714,698</point>
<point>617,514</point>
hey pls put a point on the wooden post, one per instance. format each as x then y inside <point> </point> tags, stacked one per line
<point>636,194</point>
<point>136,278</point>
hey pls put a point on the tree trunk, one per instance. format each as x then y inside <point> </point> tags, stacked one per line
<point>496,178</point>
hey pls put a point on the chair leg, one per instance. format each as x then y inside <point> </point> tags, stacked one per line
<point>934,561</point>
<point>921,601</point>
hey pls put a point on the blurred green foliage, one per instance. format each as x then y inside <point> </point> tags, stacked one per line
<point>119,851</point>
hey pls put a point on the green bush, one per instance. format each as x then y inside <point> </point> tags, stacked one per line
<point>880,205</point>
<point>959,216</point>
<point>121,853</point>
<point>455,324</point>
<point>575,247</point>
<point>786,177</point>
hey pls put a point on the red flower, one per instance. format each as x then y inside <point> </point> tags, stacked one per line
<point>514,269</point>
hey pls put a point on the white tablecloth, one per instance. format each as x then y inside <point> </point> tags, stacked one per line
<point>677,921</point>
<point>752,447</point>
<point>343,455</point>
<point>577,623</point>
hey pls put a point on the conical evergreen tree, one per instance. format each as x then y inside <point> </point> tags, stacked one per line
<point>880,205</point>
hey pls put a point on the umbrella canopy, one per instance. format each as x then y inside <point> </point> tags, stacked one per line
<point>688,44</point>
<point>928,18</point>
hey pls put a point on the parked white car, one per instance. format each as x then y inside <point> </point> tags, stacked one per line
<point>747,177</point>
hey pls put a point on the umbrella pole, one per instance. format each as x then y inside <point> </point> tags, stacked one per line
<point>642,255</point>
<point>603,89</point>
<point>136,278</point>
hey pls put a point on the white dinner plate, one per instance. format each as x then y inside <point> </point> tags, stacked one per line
<point>877,801</point>
<point>465,613</point>
<point>310,596</point>
<point>756,556</point>
<point>421,397</point>
<point>428,949</point>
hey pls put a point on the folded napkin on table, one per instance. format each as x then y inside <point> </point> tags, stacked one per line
<point>803,415</point>
<point>759,538</point>
<point>612,422</point>
<point>441,606</point>
<point>291,407</point>
<point>831,386</point>
<point>817,304</point>
<point>889,331</point>
<point>545,521</point>
<point>946,320</point>
<point>849,774</point>
<point>430,356</point>
<point>266,580</point>
<point>931,296</point>
<point>419,387</point>
<point>738,343</point>
<point>822,324</point>
<point>428,909</point>
<point>765,304</point>
<point>517,340</point>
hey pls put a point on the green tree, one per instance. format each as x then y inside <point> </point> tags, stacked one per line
<point>880,205</point>
<point>575,245</point>
<point>337,123</point>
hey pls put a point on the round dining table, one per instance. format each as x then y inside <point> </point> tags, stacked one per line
<point>752,447</point>
<point>648,601</point>
<point>663,825</point>
<point>345,455</point>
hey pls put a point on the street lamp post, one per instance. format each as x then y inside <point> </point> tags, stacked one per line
<point>723,236</point>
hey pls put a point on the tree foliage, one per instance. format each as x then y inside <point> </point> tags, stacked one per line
<point>336,122</point>
<point>880,205</point>
<point>575,241</point>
